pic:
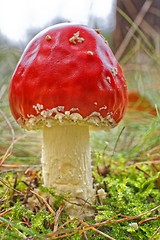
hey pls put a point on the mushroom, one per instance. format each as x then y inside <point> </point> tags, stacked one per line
<point>66,80</point>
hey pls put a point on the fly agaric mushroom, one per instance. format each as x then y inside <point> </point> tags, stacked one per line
<point>66,80</point>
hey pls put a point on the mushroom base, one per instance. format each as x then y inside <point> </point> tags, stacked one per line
<point>66,164</point>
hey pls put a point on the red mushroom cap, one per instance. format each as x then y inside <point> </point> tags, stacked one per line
<point>68,73</point>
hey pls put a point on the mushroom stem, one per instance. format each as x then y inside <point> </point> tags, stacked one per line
<point>66,164</point>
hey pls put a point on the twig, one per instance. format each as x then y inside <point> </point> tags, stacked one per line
<point>157,148</point>
<point>148,162</point>
<point>117,141</point>
<point>157,111</point>
<point>15,167</point>
<point>151,238</point>
<point>58,213</point>
<point>68,221</point>
<point>2,90</point>
<point>78,204</point>
<point>63,236</point>
<point>80,229</point>
<point>88,227</point>
<point>133,28</point>
<point>45,202</point>
<point>5,212</point>
<point>126,218</point>
<point>148,219</point>
<point>24,166</point>
<point>84,236</point>
<point>103,234</point>
<point>4,183</point>
<point>145,173</point>
<point>9,224</point>
<point>9,150</point>
<point>13,141</point>
<point>60,233</point>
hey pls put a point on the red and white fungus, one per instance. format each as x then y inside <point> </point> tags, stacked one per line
<point>66,80</point>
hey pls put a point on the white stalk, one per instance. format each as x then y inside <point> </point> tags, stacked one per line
<point>66,164</point>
